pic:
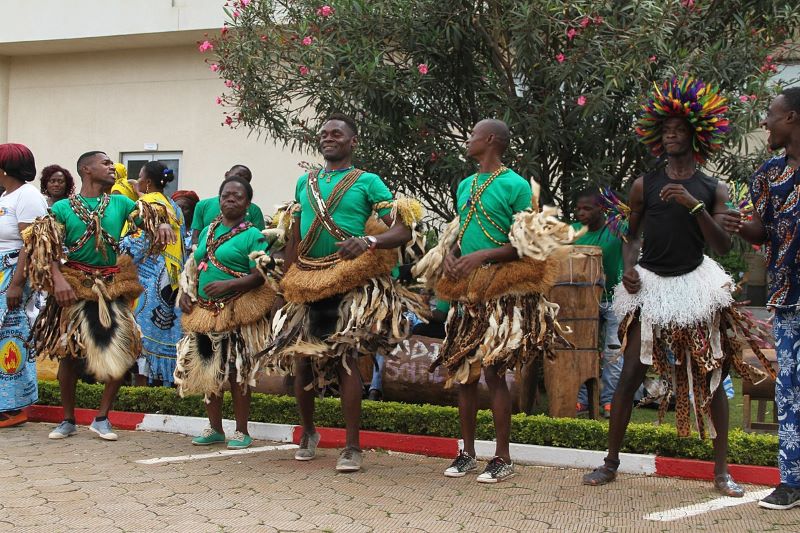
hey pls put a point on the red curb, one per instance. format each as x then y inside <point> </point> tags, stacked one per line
<point>694,469</point>
<point>84,417</point>
<point>398,442</point>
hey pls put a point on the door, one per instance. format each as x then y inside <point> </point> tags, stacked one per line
<point>134,161</point>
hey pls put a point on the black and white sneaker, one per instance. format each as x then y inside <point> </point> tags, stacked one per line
<point>497,470</point>
<point>783,497</point>
<point>462,464</point>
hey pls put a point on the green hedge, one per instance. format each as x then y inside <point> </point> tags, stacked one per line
<point>435,420</point>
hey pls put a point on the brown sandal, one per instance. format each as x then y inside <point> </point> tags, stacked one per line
<point>600,476</point>
<point>726,486</point>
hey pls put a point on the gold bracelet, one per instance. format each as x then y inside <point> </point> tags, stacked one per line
<point>696,209</point>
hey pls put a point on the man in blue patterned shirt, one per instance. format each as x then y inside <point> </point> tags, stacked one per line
<point>775,192</point>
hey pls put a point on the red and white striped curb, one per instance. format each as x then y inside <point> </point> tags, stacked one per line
<point>526,454</point>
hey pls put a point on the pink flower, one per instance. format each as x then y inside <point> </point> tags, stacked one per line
<point>263,38</point>
<point>571,33</point>
<point>585,21</point>
<point>235,13</point>
<point>325,11</point>
<point>307,40</point>
<point>560,58</point>
<point>581,100</point>
<point>245,3</point>
<point>688,3</point>
<point>303,70</point>
<point>205,46</point>
<point>422,68</point>
<point>228,120</point>
<point>753,97</point>
<point>213,67</point>
<point>228,83</point>
<point>224,30</point>
<point>652,59</point>
<point>219,100</point>
<point>743,98</point>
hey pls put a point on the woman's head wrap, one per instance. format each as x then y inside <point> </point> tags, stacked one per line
<point>700,104</point>
<point>189,195</point>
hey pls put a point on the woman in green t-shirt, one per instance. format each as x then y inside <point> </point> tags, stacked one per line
<point>226,307</point>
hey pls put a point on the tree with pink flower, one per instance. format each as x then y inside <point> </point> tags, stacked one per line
<point>566,75</point>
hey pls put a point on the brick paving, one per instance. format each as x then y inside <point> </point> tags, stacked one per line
<point>85,483</point>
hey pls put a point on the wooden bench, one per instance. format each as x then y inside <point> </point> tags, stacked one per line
<point>763,395</point>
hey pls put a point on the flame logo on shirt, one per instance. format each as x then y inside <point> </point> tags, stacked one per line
<point>10,358</point>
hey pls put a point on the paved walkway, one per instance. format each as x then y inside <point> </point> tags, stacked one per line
<point>86,483</point>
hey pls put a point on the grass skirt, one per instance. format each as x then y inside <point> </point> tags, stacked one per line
<point>363,321</point>
<point>691,333</point>
<point>100,328</point>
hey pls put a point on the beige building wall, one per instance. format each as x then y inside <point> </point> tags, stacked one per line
<point>65,104</point>
<point>5,72</point>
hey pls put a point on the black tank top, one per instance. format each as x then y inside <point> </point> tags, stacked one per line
<point>673,243</point>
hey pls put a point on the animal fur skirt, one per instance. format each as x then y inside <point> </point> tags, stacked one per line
<point>691,333</point>
<point>100,327</point>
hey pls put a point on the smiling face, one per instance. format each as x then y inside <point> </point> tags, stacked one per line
<point>233,201</point>
<point>336,141</point>
<point>676,136</point>
<point>57,185</point>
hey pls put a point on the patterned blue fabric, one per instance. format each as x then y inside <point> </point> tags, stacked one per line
<point>775,191</point>
<point>18,385</point>
<point>787,394</point>
<point>156,313</point>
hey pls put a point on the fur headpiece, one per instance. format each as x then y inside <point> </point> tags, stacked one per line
<point>700,104</point>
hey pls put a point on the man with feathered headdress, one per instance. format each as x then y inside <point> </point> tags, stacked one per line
<point>676,303</point>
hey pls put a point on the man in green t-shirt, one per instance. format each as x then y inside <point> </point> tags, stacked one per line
<point>337,253</point>
<point>207,209</point>
<point>486,203</point>
<point>590,215</point>
<point>87,321</point>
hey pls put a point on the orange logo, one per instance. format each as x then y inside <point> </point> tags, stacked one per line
<point>10,357</point>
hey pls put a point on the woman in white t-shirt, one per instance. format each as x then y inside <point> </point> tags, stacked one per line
<point>20,204</point>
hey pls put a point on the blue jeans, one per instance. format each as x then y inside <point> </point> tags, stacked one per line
<point>377,373</point>
<point>786,327</point>
<point>612,358</point>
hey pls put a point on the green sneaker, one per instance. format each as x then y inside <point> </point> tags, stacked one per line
<point>240,441</point>
<point>209,436</point>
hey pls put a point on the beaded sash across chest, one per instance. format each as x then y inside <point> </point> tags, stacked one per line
<point>94,228</point>
<point>323,219</point>
<point>475,205</point>
<point>213,244</point>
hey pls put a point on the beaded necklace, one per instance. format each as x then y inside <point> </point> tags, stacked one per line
<point>474,204</point>
<point>94,228</point>
<point>212,244</point>
<point>327,175</point>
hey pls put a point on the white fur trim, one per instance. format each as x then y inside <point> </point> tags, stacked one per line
<point>679,300</point>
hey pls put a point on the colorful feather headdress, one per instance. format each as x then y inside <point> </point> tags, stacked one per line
<point>700,104</point>
<point>617,213</point>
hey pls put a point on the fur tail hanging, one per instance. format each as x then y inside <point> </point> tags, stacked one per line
<point>430,268</point>
<point>538,235</point>
<point>44,244</point>
<point>152,216</point>
<point>110,351</point>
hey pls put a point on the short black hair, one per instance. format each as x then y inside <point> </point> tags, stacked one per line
<point>248,174</point>
<point>791,96</point>
<point>500,130</point>
<point>588,192</point>
<point>158,173</point>
<point>237,179</point>
<point>82,159</point>
<point>346,119</point>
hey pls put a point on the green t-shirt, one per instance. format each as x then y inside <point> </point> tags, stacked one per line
<point>114,218</point>
<point>507,195</point>
<point>612,255</point>
<point>207,210</point>
<point>352,213</point>
<point>233,253</point>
